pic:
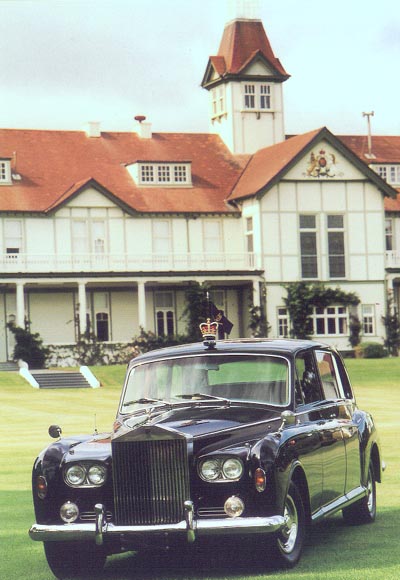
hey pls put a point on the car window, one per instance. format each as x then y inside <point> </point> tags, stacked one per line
<point>258,378</point>
<point>307,387</point>
<point>329,377</point>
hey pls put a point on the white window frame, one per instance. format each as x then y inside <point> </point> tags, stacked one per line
<point>389,172</point>
<point>162,242</point>
<point>212,243</point>
<point>337,315</point>
<point>309,230</point>
<point>257,96</point>
<point>164,174</point>
<point>389,235</point>
<point>283,323</point>
<point>336,230</point>
<point>13,240</point>
<point>165,310</point>
<point>5,172</point>
<point>368,319</point>
<point>91,242</point>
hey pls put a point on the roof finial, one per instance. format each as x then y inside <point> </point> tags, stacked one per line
<point>248,9</point>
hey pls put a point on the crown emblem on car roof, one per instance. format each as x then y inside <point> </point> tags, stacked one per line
<point>209,331</point>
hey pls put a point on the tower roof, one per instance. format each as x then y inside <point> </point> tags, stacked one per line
<point>242,41</point>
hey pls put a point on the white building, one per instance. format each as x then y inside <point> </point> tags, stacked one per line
<point>111,228</point>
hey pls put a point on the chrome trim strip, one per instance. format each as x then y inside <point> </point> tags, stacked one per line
<point>192,528</point>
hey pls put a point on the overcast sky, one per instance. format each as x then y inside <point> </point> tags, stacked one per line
<point>66,62</point>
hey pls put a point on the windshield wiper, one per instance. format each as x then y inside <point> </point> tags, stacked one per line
<point>199,396</point>
<point>145,401</point>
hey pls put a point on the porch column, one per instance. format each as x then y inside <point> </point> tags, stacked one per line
<point>82,307</point>
<point>20,315</point>
<point>256,293</point>
<point>142,305</point>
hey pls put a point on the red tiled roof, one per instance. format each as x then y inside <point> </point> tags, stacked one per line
<point>55,164</point>
<point>385,148</point>
<point>242,40</point>
<point>265,165</point>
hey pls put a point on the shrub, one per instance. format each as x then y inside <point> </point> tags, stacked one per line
<point>373,350</point>
<point>29,347</point>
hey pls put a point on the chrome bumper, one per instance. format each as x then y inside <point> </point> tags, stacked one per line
<point>190,527</point>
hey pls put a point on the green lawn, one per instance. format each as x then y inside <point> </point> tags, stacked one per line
<point>334,551</point>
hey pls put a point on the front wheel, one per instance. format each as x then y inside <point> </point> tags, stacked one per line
<point>363,511</point>
<point>288,543</point>
<point>74,559</point>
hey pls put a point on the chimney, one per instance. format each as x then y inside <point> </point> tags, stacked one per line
<point>144,128</point>
<point>93,129</point>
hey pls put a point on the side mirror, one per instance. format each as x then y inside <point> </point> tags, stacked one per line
<point>55,431</point>
<point>288,419</point>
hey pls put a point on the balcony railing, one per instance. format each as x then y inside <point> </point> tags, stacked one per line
<point>392,259</point>
<point>48,263</point>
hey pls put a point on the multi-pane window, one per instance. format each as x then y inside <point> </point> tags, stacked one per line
<point>265,96</point>
<point>389,234</point>
<point>249,96</point>
<point>250,240</point>
<point>212,238</point>
<point>5,171</point>
<point>218,101</point>
<point>283,322</point>
<point>368,318</point>
<point>161,236</point>
<point>88,236</point>
<point>13,236</point>
<point>164,173</point>
<point>257,96</point>
<point>180,173</point>
<point>391,173</point>
<point>332,320</point>
<point>146,173</point>
<point>337,266</point>
<point>308,246</point>
<point>164,313</point>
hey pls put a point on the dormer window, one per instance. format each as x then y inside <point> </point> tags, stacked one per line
<point>162,173</point>
<point>5,172</point>
<point>390,173</point>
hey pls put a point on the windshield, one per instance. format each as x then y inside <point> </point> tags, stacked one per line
<point>257,378</point>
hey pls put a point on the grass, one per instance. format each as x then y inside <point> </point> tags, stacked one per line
<point>333,551</point>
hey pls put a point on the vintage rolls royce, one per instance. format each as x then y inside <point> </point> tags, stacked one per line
<point>211,440</point>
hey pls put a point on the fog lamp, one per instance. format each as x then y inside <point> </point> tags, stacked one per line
<point>69,512</point>
<point>234,507</point>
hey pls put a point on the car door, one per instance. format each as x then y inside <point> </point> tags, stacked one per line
<point>330,427</point>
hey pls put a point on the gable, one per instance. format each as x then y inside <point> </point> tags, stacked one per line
<point>258,67</point>
<point>90,197</point>
<point>324,162</point>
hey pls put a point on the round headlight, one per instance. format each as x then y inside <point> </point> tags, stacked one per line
<point>97,474</point>
<point>75,475</point>
<point>232,468</point>
<point>210,469</point>
<point>69,512</point>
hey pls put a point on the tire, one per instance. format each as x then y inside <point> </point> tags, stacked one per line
<point>363,511</point>
<point>74,559</point>
<point>288,543</point>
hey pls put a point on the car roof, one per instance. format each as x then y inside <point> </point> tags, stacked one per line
<point>243,345</point>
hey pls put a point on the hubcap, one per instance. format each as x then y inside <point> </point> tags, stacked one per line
<point>288,537</point>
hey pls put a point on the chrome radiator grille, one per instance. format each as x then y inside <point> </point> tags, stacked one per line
<point>151,481</point>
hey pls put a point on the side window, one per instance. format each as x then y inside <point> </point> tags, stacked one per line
<point>307,383</point>
<point>329,377</point>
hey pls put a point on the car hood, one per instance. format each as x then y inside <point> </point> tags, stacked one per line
<point>208,423</point>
